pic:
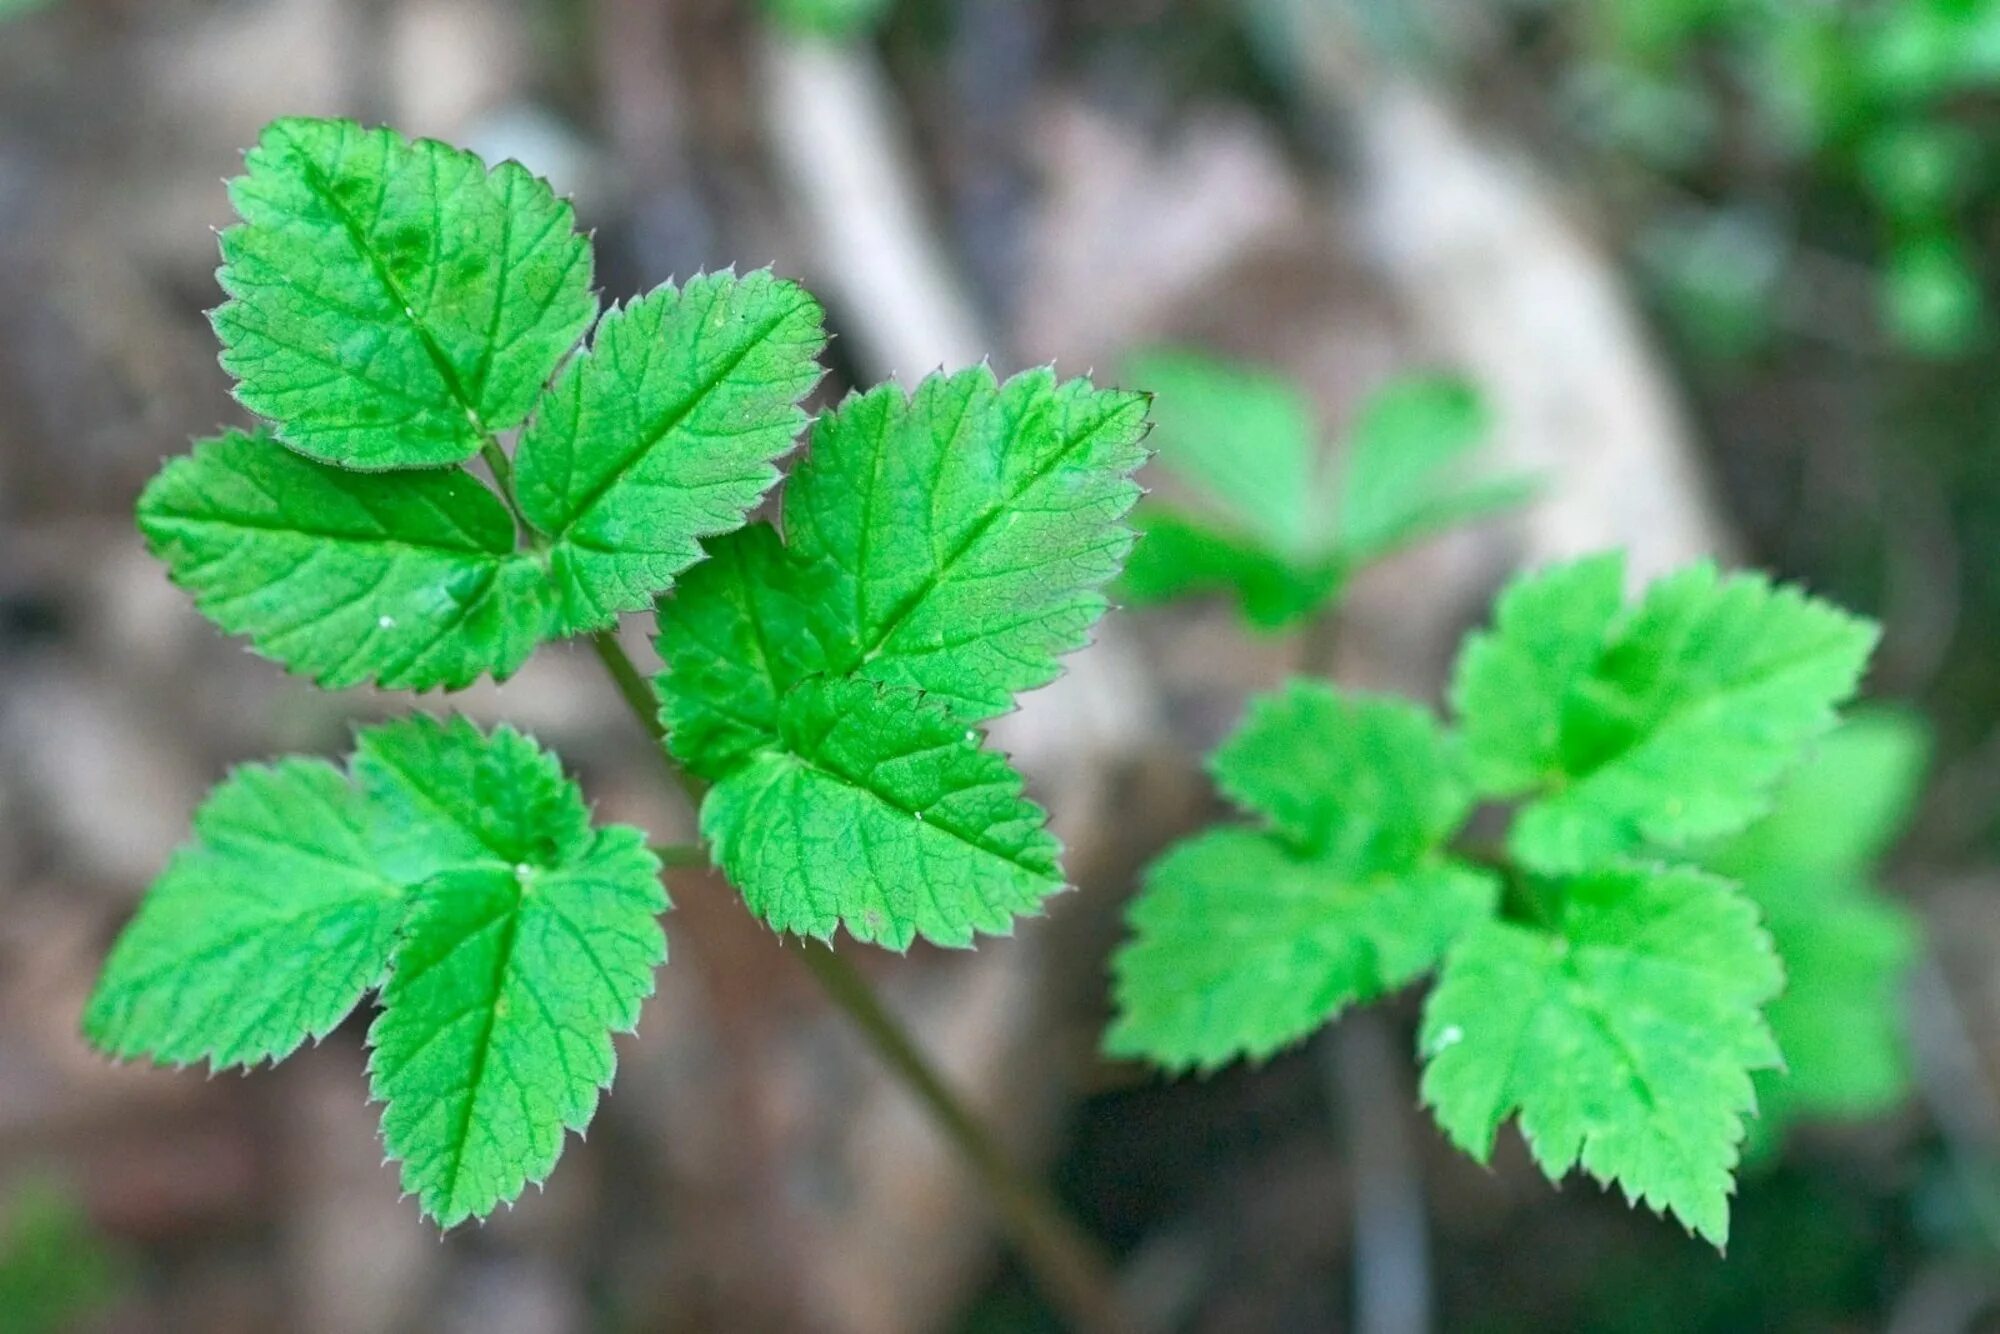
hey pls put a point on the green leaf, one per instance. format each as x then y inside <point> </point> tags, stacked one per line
<point>1844,806</point>
<point>741,628</point>
<point>880,812</point>
<point>1513,683</point>
<point>1624,1037</point>
<point>1847,947</point>
<point>266,930</point>
<point>1403,477</point>
<point>1242,946</point>
<point>1269,524</point>
<point>968,528</point>
<point>1242,441</point>
<point>664,432</point>
<point>409,581</point>
<point>495,1033</point>
<point>459,872</point>
<point>1660,727</point>
<point>1842,1022</point>
<point>1178,558</point>
<point>392,303</point>
<point>953,540</point>
<point>1366,782</point>
<point>1245,941</point>
<point>443,797</point>
<point>533,938</point>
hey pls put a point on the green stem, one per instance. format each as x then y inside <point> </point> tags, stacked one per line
<point>1063,1260</point>
<point>502,469</point>
<point>680,855</point>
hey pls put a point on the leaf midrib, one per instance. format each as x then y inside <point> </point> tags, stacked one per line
<point>671,421</point>
<point>973,841</point>
<point>317,181</point>
<point>907,606</point>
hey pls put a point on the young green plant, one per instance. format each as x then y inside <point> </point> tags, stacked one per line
<point>396,309</point>
<point>1611,975</point>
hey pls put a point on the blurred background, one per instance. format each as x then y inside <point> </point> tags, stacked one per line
<point>1724,273</point>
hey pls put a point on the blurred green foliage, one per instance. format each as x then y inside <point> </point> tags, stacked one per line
<point>1811,868</point>
<point>54,1268</point>
<point>1887,101</point>
<point>825,18</point>
<point>1259,516</point>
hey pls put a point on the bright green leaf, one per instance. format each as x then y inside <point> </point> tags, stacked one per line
<point>1663,726</point>
<point>1367,782</point>
<point>394,302</point>
<point>968,528</point>
<point>265,931</point>
<point>882,813</point>
<point>460,873</point>
<point>1513,683</point>
<point>1847,947</point>
<point>443,797</point>
<point>953,540</point>
<point>1245,941</point>
<point>1842,1022</point>
<point>741,628</point>
<point>1242,946</point>
<point>531,941</point>
<point>495,1032</point>
<point>1624,1037</point>
<point>665,432</point>
<point>407,581</point>
<point>1845,805</point>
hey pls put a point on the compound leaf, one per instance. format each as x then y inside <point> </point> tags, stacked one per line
<point>968,528</point>
<point>880,812</point>
<point>1624,1037</point>
<point>392,303</point>
<point>409,581</point>
<point>514,938</point>
<point>1267,522</point>
<point>1242,946</point>
<point>1247,940</point>
<point>264,931</point>
<point>532,939</point>
<point>1673,728</point>
<point>663,432</point>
